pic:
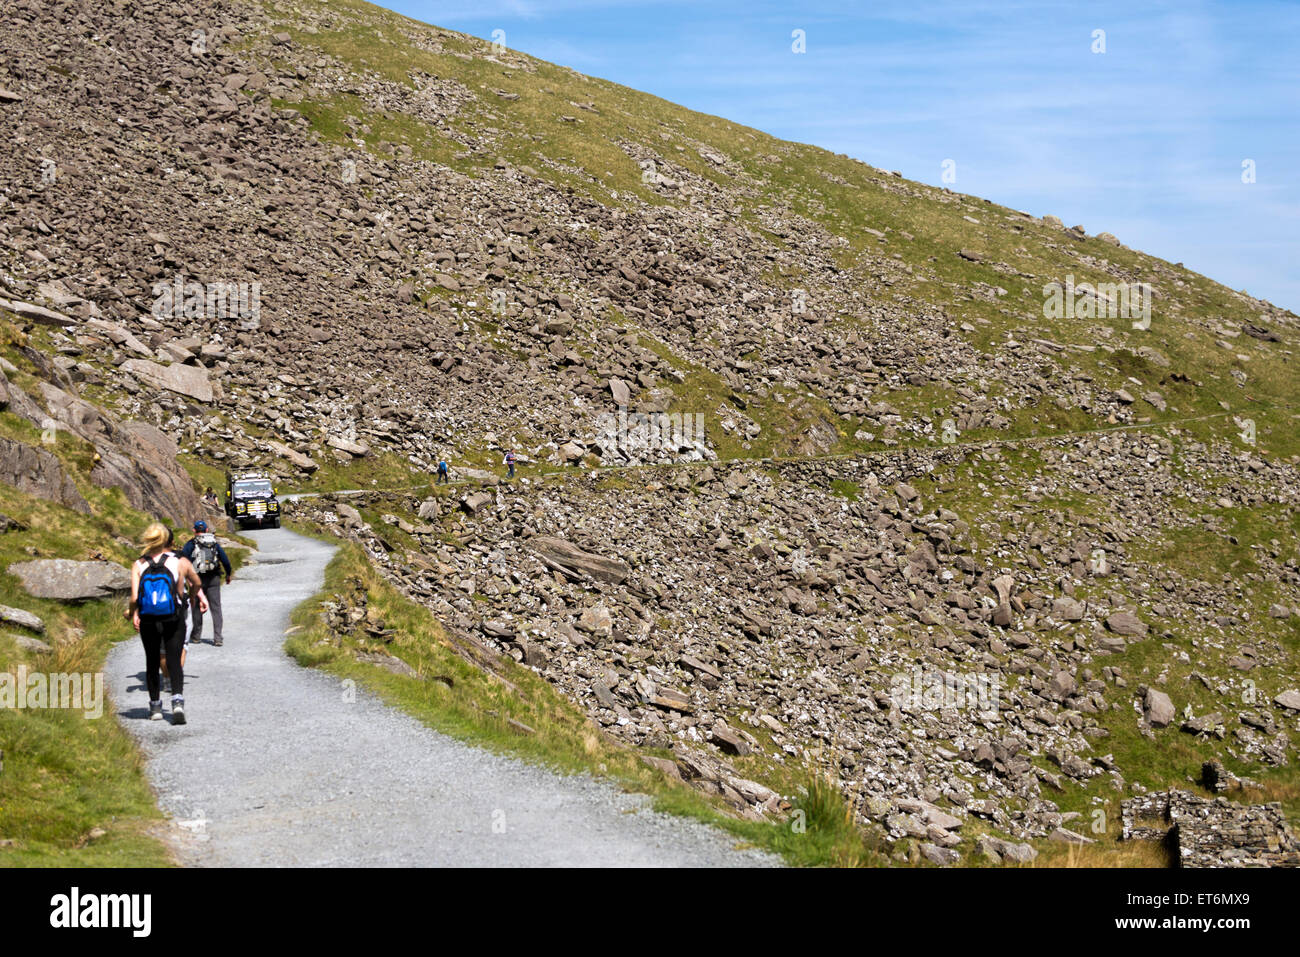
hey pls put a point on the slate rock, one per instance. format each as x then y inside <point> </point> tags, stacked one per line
<point>65,580</point>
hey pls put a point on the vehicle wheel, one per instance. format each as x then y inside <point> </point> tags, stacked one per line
<point>275,523</point>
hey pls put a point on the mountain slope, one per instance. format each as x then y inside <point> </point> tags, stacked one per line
<point>461,249</point>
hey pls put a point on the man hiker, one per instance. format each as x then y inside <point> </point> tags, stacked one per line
<point>510,463</point>
<point>444,471</point>
<point>210,562</point>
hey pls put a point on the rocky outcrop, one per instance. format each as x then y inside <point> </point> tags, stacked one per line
<point>38,473</point>
<point>137,457</point>
<point>142,462</point>
<point>885,605</point>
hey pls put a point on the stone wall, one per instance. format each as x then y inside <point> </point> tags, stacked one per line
<point>1213,832</point>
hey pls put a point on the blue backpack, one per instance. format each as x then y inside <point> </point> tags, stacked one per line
<point>159,596</point>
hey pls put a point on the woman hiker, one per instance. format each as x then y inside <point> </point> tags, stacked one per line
<point>158,612</point>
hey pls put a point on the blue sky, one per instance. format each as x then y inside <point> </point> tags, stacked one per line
<point>1145,140</point>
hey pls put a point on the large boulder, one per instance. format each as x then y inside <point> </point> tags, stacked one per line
<point>65,580</point>
<point>349,516</point>
<point>1159,708</point>
<point>1068,609</point>
<point>355,449</point>
<point>119,336</point>
<point>302,462</point>
<point>1127,623</point>
<point>620,391</point>
<point>38,473</point>
<point>182,379</point>
<point>572,560</point>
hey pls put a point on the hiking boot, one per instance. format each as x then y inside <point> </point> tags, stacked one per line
<point>178,711</point>
<point>155,710</point>
<point>217,642</point>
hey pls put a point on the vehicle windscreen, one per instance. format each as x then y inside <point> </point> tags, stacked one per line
<point>253,488</point>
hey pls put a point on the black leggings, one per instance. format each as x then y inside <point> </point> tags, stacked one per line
<point>158,636</point>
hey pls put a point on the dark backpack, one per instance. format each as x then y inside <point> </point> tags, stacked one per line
<point>159,595</point>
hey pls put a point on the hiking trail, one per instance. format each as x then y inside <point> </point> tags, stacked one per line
<point>278,766</point>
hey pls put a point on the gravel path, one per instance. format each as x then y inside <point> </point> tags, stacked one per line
<point>277,768</point>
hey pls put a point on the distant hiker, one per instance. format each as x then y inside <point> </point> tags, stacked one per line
<point>510,463</point>
<point>444,472</point>
<point>210,562</point>
<point>210,498</point>
<point>158,613</point>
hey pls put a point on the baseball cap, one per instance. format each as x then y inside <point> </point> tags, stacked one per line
<point>200,526</point>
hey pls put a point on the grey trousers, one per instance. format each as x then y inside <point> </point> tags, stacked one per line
<point>212,589</point>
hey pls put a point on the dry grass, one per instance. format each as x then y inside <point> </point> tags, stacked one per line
<point>1106,853</point>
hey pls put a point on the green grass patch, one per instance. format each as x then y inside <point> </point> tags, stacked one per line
<point>73,790</point>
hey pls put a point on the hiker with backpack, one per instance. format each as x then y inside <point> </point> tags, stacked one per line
<point>444,472</point>
<point>510,463</point>
<point>210,562</point>
<point>158,612</point>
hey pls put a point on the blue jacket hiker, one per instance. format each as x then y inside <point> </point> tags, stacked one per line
<point>211,563</point>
